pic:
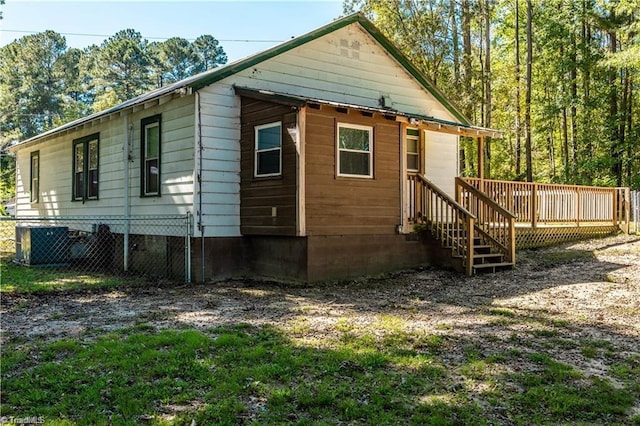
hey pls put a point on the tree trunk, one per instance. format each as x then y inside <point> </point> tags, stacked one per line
<point>527,111</point>
<point>623,122</point>
<point>487,92</point>
<point>574,110</point>
<point>455,41</point>
<point>631,151</point>
<point>466,59</point>
<point>615,149</point>
<point>518,129</point>
<point>586,89</point>
<point>565,146</point>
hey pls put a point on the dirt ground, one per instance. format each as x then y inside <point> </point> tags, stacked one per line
<point>589,291</point>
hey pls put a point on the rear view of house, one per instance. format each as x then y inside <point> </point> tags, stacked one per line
<point>310,161</point>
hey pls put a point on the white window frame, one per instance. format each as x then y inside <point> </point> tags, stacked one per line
<point>370,151</point>
<point>257,151</point>
<point>417,153</point>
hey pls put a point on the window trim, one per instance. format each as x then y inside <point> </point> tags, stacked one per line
<point>85,142</point>
<point>257,151</point>
<point>370,151</point>
<point>416,153</point>
<point>34,195</point>
<point>144,124</point>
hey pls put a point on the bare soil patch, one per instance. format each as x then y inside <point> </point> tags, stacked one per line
<point>561,299</point>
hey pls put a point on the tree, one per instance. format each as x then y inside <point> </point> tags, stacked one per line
<point>518,129</point>
<point>124,64</point>
<point>174,60</point>
<point>527,102</point>
<point>32,74</point>
<point>177,58</point>
<point>209,53</point>
<point>32,88</point>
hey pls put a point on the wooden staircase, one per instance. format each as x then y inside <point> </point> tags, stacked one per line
<point>479,233</point>
<point>485,258</point>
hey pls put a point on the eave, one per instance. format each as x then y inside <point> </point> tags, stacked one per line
<point>422,121</point>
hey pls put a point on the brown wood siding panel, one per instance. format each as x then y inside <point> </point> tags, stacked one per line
<point>351,206</point>
<point>259,196</point>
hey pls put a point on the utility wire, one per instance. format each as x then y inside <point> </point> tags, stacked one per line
<point>150,38</point>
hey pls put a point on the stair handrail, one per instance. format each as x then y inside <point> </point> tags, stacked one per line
<point>494,222</point>
<point>448,221</point>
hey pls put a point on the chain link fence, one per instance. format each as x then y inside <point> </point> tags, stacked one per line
<point>154,246</point>
<point>635,211</point>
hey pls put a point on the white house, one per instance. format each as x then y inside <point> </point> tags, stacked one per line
<point>293,162</point>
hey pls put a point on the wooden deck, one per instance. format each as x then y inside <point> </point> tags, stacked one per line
<point>505,216</point>
<point>537,204</point>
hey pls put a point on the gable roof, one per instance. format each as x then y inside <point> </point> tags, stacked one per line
<point>216,74</point>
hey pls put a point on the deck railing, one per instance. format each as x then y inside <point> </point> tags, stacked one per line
<point>494,222</point>
<point>537,203</point>
<point>446,220</point>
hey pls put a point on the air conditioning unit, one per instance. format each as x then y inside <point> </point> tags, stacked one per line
<point>42,245</point>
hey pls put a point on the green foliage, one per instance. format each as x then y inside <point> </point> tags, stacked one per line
<point>584,108</point>
<point>123,64</point>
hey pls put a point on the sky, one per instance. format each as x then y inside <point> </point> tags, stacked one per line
<point>242,27</point>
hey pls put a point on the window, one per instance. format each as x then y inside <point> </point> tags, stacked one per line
<point>34,189</point>
<point>268,152</point>
<point>150,144</point>
<point>85,168</point>
<point>355,150</point>
<point>413,150</point>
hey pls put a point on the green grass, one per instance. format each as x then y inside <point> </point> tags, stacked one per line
<point>16,279</point>
<point>245,374</point>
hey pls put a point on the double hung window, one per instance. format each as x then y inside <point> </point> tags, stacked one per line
<point>355,150</point>
<point>150,144</point>
<point>268,150</point>
<point>413,150</point>
<point>34,188</point>
<point>85,168</point>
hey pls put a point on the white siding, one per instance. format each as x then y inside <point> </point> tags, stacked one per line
<point>56,168</point>
<point>441,160</point>
<point>346,66</point>
<point>220,133</point>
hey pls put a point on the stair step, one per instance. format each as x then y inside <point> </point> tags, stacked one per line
<point>492,267</point>
<point>479,259</point>
<point>482,249</point>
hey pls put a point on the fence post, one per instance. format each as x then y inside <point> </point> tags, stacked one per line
<point>187,249</point>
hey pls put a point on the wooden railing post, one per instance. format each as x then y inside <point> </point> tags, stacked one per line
<point>579,206</point>
<point>534,205</point>
<point>470,248</point>
<point>512,239</point>
<point>615,212</point>
<point>624,209</point>
<point>627,210</point>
